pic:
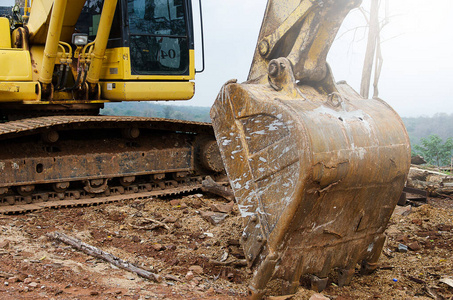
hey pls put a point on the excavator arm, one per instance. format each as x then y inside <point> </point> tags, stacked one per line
<point>301,31</point>
<point>63,15</point>
<point>316,169</point>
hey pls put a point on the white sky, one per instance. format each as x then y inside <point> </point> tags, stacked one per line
<point>417,75</point>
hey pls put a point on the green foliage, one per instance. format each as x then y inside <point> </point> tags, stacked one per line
<point>435,150</point>
<point>427,136</point>
<point>422,127</point>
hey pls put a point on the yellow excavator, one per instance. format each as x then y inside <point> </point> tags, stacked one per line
<point>316,169</point>
<point>59,64</point>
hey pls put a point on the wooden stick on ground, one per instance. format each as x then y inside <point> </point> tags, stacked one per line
<point>95,252</point>
<point>210,186</point>
<point>235,262</point>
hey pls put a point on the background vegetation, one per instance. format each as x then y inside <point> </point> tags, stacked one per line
<point>432,137</point>
<point>154,110</point>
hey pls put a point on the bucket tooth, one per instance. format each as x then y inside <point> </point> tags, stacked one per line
<point>316,175</point>
<point>318,284</point>
<point>367,268</point>
<point>345,276</point>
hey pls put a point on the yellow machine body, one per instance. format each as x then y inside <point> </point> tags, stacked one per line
<point>31,56</point>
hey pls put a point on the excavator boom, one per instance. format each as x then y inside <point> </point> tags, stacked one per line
<point>316,169</point>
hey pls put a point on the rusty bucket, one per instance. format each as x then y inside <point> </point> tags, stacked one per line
<point>316,176</point>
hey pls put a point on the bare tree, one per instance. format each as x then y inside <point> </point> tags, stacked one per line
<point>373,52</point>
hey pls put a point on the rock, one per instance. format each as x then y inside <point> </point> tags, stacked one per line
<point>4,244</point>
<point>196,269</point>
<point>233,242</point>
<point>170,219</point>
<point>94,293</point>
<point>171,247</point>
<point>224,257</point>
<point>21,276</point>
<point>402,238</point>
<point>237,252</point>
<point>33,284</point>
<point>158,247</point>
<point>447,281</point>
<point>189,275</point>
<point>175,202</point>
<point>135,239</point>
<point>6,283</point>
<point>197,203</point>
<point>223,208</point>
<point>285,297</point>
<point>28,280</point>
<point>318,297</point>
<point>443,227</point>
<point>402,210</point>
<point>13,279</point>
<point>116,216</point>
<point>415,246</point>
<point>178,224</point>
<point>418,160</point>
<point>212,217</point>
<point>417,222</point>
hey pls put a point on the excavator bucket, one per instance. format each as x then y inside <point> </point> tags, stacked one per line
<point>316,171</point>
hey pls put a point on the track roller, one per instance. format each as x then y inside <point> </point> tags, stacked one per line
<point>25,190</point>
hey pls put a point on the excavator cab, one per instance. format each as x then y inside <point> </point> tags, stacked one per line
<point>158,35</point>
<point>315,168</point>
<point>91,52</point>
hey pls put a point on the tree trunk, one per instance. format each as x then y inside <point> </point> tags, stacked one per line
<point>371,49</point>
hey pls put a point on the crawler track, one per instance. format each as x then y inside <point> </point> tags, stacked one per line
<point>76,198</point>
<point>62,161</point>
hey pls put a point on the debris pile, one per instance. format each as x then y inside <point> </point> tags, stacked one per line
<point>434,182</point>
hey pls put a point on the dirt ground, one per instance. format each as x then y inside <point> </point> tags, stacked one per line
<point>199,260</point>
